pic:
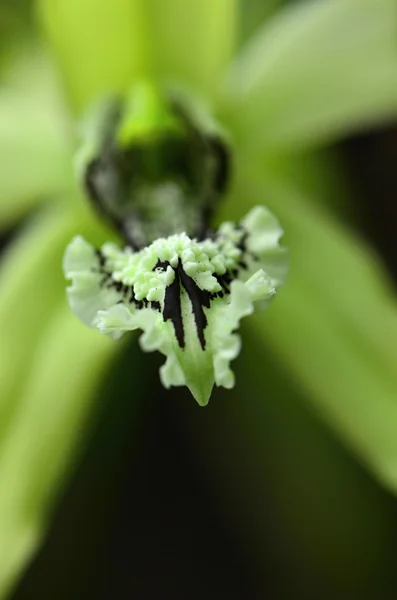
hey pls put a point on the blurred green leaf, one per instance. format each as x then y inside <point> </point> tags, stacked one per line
<point>35,140</point>
<point>317,71</point>
<point>334,325</point>
<point>67,368</point>
<point>104,47</point>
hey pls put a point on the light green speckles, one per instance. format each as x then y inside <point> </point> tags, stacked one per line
<point>187,296</point>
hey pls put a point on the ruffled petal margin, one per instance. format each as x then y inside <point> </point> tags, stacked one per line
<point>187,296</point>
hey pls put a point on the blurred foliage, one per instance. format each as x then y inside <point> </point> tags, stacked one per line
<point>146,37</point>
<point>253,13</point>
<point>15,25</point>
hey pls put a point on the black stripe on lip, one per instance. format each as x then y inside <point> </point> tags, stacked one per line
<point>172,309</point>
<point>172,305</point>
<point>199,299</point>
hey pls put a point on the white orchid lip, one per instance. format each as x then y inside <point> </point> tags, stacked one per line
<point>186,295</point>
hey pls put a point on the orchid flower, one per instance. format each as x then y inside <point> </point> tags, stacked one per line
<point>156,171</point>
<point>303,80</point>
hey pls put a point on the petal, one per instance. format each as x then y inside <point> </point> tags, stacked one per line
<point>100,48</point>
<point>86,296</point>
<point>334,327</point>
<point>254,14</point>
<point>51,367</point>
<point>265,233</point>
<point>31,287</point>
<point>103,50</point>
<point>192,41</point>
<point>317,71</point>
<point>44,435</point>
<point>35,148</point>
<point>187,296</point>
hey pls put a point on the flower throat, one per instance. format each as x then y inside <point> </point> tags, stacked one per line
<point>153,166</point>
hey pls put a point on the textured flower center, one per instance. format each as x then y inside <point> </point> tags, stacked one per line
<point>161,273</point>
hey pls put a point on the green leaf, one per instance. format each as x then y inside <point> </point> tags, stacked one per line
<point>316,72</point>
<point>35,143</point>
<point>104,49</point>
<point>334,325</point>
<point>42,439</point>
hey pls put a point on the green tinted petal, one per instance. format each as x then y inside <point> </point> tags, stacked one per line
<point>253,15</point>
<point>100,45</point>
<point>81,264</point>
<point>35,146</point>
<point>317,71</point>
<point>191,41</point>
<point>335,327</point>
<point>45,433</point>
<point>187,296</point>
<point>31,287</point>
<point>50,368</point>
<point>103,47</point>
